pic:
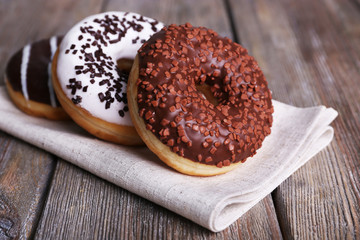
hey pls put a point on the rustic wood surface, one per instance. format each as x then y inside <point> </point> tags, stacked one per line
<point>23,185</point>
<point>82,206</point>
<point>310,53</point>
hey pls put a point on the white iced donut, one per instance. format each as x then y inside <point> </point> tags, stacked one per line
<point>90,72</point>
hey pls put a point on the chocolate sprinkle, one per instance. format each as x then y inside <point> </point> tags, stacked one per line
<point>98,64</point>
<point>77,99</point>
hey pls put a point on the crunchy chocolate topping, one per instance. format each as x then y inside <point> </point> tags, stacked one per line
<point>173,63</point>
<point>111,30</point>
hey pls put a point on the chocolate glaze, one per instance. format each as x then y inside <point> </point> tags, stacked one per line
<point>177,59</point>
<point>37,74</point>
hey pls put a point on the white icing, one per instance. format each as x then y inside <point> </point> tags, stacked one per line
<point>53,46</point>
<point>23,70</point>
<point>122,49</point>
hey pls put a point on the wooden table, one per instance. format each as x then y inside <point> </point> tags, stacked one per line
<point>310,52</point>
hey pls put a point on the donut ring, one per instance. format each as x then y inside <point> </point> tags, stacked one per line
<point>198,100</point>
<point>28,80</point>
<point>90,72</point>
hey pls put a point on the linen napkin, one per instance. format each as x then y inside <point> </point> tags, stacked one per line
<point>213,202</point>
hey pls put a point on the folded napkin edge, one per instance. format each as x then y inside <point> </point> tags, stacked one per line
<point>221,216</point>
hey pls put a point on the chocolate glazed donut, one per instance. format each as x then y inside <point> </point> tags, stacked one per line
<point>28,80</point>
<point>202,96</point>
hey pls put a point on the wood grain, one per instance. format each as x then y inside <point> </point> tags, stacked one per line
<point>121,214</point>
<point>211,14</point>
<point>309,51</point>
<point>25,172</point>
<point>82,206</point>
<point>23,22</point>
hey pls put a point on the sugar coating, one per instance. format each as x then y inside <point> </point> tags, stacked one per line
<point>87,69</point>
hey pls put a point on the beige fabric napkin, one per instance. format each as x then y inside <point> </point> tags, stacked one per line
<point>213,202</point>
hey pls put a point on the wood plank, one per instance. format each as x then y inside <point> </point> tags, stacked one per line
<point>23,22</point>
<point>82,206</point>
<point>26,171</point>
<point>116,213</point>
<point>211,14</point>
<point>24,174</point>
<point>309,51</point>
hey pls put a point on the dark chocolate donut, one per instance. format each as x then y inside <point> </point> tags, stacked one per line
<point>28,79</point>
<point>28,71</point>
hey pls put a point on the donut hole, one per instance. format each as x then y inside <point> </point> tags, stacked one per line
<point>124,65</point>
<point>205,89</point>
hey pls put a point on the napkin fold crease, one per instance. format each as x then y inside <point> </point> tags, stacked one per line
<point>213,202</point>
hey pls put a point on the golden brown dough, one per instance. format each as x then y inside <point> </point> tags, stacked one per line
<point>36,109</point>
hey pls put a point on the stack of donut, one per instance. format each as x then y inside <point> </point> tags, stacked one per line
<point>196,99</point>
